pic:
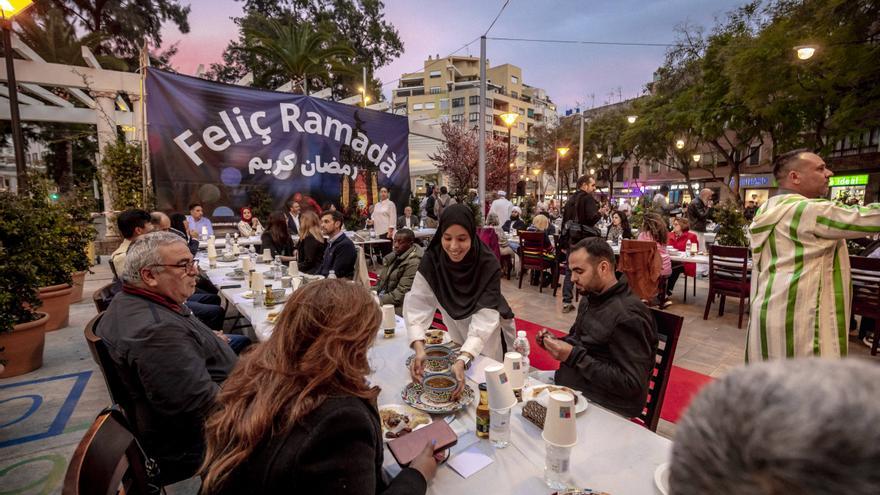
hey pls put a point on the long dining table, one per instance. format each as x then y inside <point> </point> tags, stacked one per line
<point>613,454</point>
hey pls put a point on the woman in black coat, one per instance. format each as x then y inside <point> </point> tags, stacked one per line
<point>297,414</point>
<point>277,238</point>
<point>310,249</point>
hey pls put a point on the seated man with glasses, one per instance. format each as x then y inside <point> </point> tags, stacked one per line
<point>171,364</point>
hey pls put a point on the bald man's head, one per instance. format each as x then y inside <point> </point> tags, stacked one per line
<point>803,172</point>
<point>705,195</point>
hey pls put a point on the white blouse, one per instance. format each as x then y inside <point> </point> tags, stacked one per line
<point>478,334</point>
<point>384,216</point>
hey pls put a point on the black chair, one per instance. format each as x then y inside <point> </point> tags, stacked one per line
<point>866,291</point>
<point>108,460</point>
<point>668,331</point>
<point>102,297</point>
<point>533,256</point>
<point>115,386</point>
<point>729,275</point>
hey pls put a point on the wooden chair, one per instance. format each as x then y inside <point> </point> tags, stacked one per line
<point>729,275</point>
<point>684,275</point>
<point>668,331</point>
<point>108,460</point>
<point>115,386</point>
<point>102,296</point>
<point>533,256</point>
<point>866,291</point>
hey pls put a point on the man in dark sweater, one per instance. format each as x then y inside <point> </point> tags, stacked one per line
<point>609,351</point>
<point>340,254</point>
<point>170,363</point>
<point>580,209</point>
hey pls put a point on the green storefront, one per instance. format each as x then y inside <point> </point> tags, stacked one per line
<point>848,189</point>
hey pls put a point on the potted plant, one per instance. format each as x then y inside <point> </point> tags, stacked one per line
<point>22,329</point>
<point>50,253</point>
<point>729,217</point>
<point>79,206</point>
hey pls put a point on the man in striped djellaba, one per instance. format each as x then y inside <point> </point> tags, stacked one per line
<point>801,291</point>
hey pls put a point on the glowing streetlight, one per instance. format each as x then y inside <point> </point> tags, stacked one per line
<point>509,120</point>
<point>8,10</point>
<point>679,144</point>
<point>696,157</point>
<point>599,156</point>
<point>805,52</point>
<point>632,119</point>
<point>560,152</point>
<point>592,171</point>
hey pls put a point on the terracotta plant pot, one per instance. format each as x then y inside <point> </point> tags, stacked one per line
<point>56,302</point>
<point>23,347</point>
<point>79,281</point>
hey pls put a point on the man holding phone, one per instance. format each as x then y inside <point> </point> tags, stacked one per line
<point>609,351</point>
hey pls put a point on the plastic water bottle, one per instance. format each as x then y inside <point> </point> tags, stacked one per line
<point>332,274</point>
<point>687,248</point>
<point>521,345</point>
<point>372,232</point>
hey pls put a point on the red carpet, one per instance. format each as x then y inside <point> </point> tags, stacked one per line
<point>683,383</point>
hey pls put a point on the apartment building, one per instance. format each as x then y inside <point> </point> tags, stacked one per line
<point>448,89</point>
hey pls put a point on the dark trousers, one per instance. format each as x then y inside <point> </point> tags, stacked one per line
<point>677,270</point>
<point>238,343</point>
<point>382,248</point>
<point>207,309</point>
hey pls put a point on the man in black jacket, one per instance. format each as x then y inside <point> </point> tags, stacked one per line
<point>699,212</point>
<point>580,209</point>
<point>609,351</point>
<point>170,363</point>
<point>340,254</point>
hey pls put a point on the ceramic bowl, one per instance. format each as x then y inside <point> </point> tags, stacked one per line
<point>438,358</point>
<point>439,386</point>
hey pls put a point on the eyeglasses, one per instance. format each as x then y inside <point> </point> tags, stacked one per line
<point>186,265</point>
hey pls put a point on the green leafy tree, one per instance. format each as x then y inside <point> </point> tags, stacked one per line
<point>297,52</point>
<point>122,162</point>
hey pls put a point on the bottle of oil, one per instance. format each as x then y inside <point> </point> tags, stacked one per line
<point>269,298</point>
<point>483,413</point>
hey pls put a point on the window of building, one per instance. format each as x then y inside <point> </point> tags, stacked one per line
<point>474,100</point>
<point>458,117</point>
<point>435,90</point>
<point>636,171</point>
<point>619,176</point>
<point>429,106</point>
<point>514,79</point>
<point>521,111</point>
<point>490,119</point>
<point>473,116</point>
<point>522,126</point>
<point>458,102</point>
<point>417,106</point>
<point>655,167</point>
<point>435,73</point>
<point>444,104</point>
<point>514,94</point>
<point>755,155</point>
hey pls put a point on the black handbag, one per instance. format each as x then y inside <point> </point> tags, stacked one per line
<point>577,231</point>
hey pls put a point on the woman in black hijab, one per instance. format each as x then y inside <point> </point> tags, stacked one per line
<point>461,277</point>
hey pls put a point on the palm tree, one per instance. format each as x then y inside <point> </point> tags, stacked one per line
<point>298,51</point>
<point>56,40</point>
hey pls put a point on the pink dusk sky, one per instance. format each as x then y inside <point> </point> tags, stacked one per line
<point>569,73</point>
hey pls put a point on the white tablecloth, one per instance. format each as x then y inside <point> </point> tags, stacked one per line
<point>220,242</point>
<point>613,454</point>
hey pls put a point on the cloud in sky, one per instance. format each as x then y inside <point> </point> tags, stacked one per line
<point>569,73</point>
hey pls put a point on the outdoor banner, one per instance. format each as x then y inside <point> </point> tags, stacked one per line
<point>229,146</point>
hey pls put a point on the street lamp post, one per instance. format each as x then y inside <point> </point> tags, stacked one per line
<point>8,10</point>
<point>560,152</point>
<point>509,120</point>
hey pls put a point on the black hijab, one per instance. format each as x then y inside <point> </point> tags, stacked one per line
<point>473,283</point>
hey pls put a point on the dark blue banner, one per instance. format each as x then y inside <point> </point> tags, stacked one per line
<point>225,145</point>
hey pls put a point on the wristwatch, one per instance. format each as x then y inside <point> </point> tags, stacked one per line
<point>464,358</point>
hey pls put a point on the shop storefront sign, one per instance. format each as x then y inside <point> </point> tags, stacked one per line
<point>848,180</point>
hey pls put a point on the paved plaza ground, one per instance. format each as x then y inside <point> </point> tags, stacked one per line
<point>68,391</point>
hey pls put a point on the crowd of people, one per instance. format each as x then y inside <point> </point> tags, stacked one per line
<point>297,410</point>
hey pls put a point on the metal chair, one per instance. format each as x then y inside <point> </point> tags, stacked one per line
<point>866,291</point>
<point>668,331</point>
<point>108,460</point>
<point>115,386</point>
<point>728,276</point>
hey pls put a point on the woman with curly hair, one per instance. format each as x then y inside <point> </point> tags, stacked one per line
<point>298,414</point>
<point>654,229</point>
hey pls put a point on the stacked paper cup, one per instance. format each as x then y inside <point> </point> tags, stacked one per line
<point>560,435</point>
<point>501,400</point>
<point>267,255</point>
<point>246,265</point>
<point>293,269</point>
<point>513,362</point>
<point>388,320</point>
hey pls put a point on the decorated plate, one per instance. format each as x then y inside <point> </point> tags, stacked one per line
<point>541,394</point>
<point>414,395</point>
<point>661,478</point>
<point>406,418</point>
<point>248,295</point>
<point>235,276</point>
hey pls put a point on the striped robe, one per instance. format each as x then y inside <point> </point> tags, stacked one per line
<point>801,285</point>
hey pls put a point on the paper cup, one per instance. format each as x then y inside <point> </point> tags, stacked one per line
<point>257,282</point>
<point>388,320</point>
<point>267,255</point>
<point>513,362</point>
<point>212,249</point>
<point>246,265</point>
<point>498,384</point>
<point>559,426</point>
<point>293,269</point>
<point>286,282</point>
